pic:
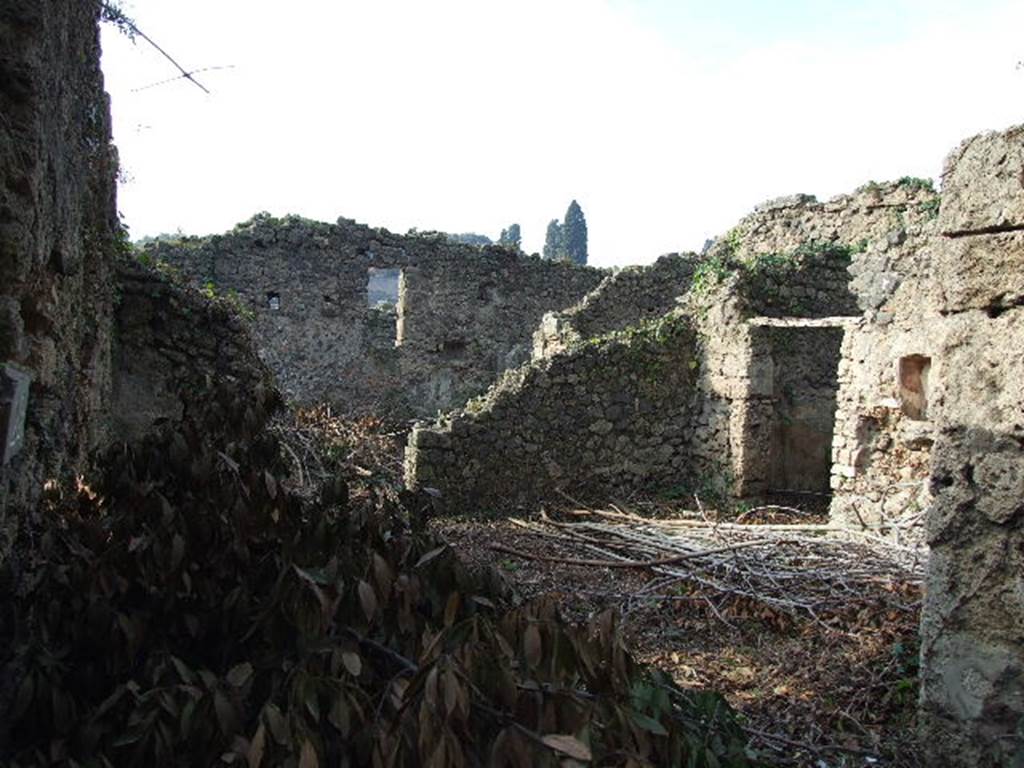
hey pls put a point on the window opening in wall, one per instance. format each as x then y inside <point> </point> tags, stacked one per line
<point>382,299</point>
<point>913,373</point>
<point>382,287</point>
<point>274,301</point>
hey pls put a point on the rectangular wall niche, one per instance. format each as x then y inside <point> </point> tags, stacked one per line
<point>382,299</point>
<point>913,373</point>
<point>804,392</point>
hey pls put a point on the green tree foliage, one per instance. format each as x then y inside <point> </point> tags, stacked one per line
<point>553,250</point>
<point>192,605</point>
<point>574,238</point>
<point>511,237</point>
<point>112,13</point>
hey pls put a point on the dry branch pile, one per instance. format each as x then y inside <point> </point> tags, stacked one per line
<point>808,569</point>
<point>811,632</point>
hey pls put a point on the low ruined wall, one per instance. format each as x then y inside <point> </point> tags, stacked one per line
<point>56,239</point>
<point>170,346</point>
<point>630,296</point>
<point>609,416</point>
<point>464,314</point>
<point>972,651</point>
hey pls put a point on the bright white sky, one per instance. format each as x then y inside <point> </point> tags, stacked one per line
<point>667,119</point>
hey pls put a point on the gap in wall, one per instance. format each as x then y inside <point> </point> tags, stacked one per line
<point>804,399</point>
<point>383,296</point>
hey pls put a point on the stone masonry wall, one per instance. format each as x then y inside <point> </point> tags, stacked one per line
<point>792,257</point>
<point>171,345</point>
<point>797,257</point>
<point>926,309</point>
<point>881,456</point>
<point>797,263</point>
<point>630,296</point>
<point>464,314</point>
<point>848,264</point>
<point>609,416</point>
<point>57,239</point>
<point>827,266</point>
<point>972,651</point>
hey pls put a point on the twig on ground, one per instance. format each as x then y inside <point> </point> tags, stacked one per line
<point>674,559</point>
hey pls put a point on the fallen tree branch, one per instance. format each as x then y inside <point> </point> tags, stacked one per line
<point>671,560</point>
<point>815,748</point>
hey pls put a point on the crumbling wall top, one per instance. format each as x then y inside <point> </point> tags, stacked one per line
<point>983,184</point>
<point>461,314</point>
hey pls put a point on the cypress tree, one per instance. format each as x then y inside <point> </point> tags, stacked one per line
<point>511,237</point>
<point>553,241</point>
<point>574,234</point>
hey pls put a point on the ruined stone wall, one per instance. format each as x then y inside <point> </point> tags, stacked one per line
<point>57,238</point>
<point>630,296</point>
<point>171,345</point>
<point>929,427</point>
<point>464,315</point>
<point>881,455</point>
<point>610,416</point>
<point>973,626</point>
<point>732,402</point>
<point>796,257</point>
<point>796,266</point>
<point>792,257</point>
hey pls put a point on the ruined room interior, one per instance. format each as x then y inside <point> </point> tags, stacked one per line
<point>309,493</point>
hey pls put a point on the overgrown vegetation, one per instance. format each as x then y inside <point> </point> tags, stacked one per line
<point>112,13</point>
<point>763,273</point>
<point>197,603</point>
<point>658,330</point>
<point>913,183</point>
<point>931,207</point>
<point>230,299</point>
<point>916,183</point>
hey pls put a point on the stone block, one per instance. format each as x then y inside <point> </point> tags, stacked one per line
<point>980,272</point>
<point>983,184</point>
